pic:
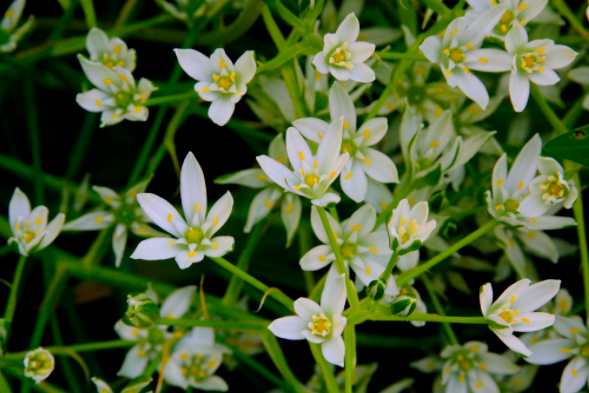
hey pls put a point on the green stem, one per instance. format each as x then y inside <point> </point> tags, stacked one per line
<point>89,13</point>
<point>438,6</point>
<point>330,381</point>
<point>282,58</point>
<point>273,28</point>
<point>349,333</point>
<point>12,297</point>
<point>439,309</point>
<point>552,118</point>
<point>562,7</point>
<point>79,149</point>
<point>582,235</point>
<point>4,386</point>
<point>246,326</point>
<point>275,353</point>
<point>339,260</point>
<point>33,126</point>
<point>410,274</point>
<point>290,79</point>
<point>401,56</point>
<point>390,266</point>
<point>276,294</point>
<point>379,316</point>
<point>169,99</point>
<point>43,387</point>
<point>87,347</point>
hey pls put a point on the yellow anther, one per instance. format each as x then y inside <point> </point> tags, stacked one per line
<point>523,22</point>
<point>142,353</point>
<point>520,185</point>
<point>533,220</point>
<point>531,234</point>
<point>368,270</point>
<point>297,187</point>
<point>483,60</point>
<point>468,46</point>
<point>211,364</point>
<point>521,7</point>
<point>411,201</point>
<point>526,320</point>
<point>461,378</point>
<point>449,73</point>
<point>482,366</point>
<point>474,348</point>
<point>493,2</point>
<point>479,384</point>
<point>357,228</point>
<point>98,102</point>
<point>322,258</point>
<point>117,49</point>
<point>332,175</point>
<point>268,203</point>
<point>466,70</point>
<point>222,64</point>
<point>197,207</point>
<point>232,75</point>
<point>438,111</point>
<point>9,14</point>
<point>317,76</point>
<point>184,356</point>
<point>214,245</point>
<point>346,126</point>
<point>541,69</point>
<point>565,350</point>
<point>262,177</point>
<point>498,207</point>
<point>205,89</point>
<point>137,109</point>
<point>315,164</point>
<point>574,372</point>
<point>366,160</point>
<point>143,96</point>
<point>281,159</point>
<point>512,299</point>
<point>348,176</point>
<point>17,227</point>
<point>107,81</point>
<point>320,136</point>
<point>170,217</point>
<point>115,116</point>
<point>575,331</point>
<point>289,207</point>
<point>121,63</point>
<point>215,221</point>
<point>238,92</point>
<point>384,205</point>
<point>135,332</point>
<point>142,229</point>
<point>501,181</point>
<point>302,155</point>
<point>454,33</point>
<point>191,254</point>
<point>366,134</point>
<point>123,77</point>
<point>99,220</point>
<point>434,144</point>
<point>374,250</point>
<point>38,220</point>
<point>541,50</point>
<point>446,51</point>
<point>26,224</point>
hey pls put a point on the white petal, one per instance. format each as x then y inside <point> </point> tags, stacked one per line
<point>326,199</point>
<point>312,261</point>
<point>361,51</point>
<point>362,73</point>
<point>92,100</point>
<point>379,166</point>
<point>353,181</point>
<point>245,67</point>
<point>498,60</point>
<point>261,206</point>
<point>290,212</point>
<point>568,326</point>
<point>574,376</point>
<point>318,228</point>
<point>536,296</point>
<point>253,178</point>
<point>101,386</point>
<point>119,241</point>
<point>431,48</point>
<point>178,302</point>
<point>361,221</point>
<point>559,56</point>
<point>486,298</point>
<point>91,222</point>
<point>552,222</point>
<point>329,150</point>
<point>185,259</point>
<point>195,64</point>
<point>334,350</point>
<point>193,190</point>
<point>533,206</point>
<point>524,168</point>
<point>19,207</point>
<point>540,244</point>
<point>214,383</point>
<point>297,148</point>
<point>223,244</point>
<point>312,128</point>
<point>157,248</point>
<point>289,328</point>
<point>472,87</point>
<point>161,212</point>
<point>550,351</point>
<point>221,110</point>
<point>275,171</point>
<point>513,343</point>
<point>483,25</point>
<point>497,364</point>
<point>306,308</point>
<point>133,365</point>
<point>348,30</point>
<point>342,106</point>
<point>516,39</point>
<point>546,78</point>
<point>519,90</point>
<point>535,321</point>
<point>219,213</point>
<point>321,63</point>
<point>333,298</point>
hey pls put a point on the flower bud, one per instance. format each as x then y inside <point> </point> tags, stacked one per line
<point>404,305</point>
<point>142,311</point>
<point>39,364</point>
<point>376,289</point>
<point>4,333</point>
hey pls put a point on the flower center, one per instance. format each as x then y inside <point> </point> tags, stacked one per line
<point>39,364</point>
<point>585,351</point>
<point>464,362</point>
<point>456,55</point>
<point>406,233</point>
<point>225,82</point>
<point>415,95</point>
<point>29,236</point>
<point>554,188</point>
<point>196,372</point>
<point>508,315</point>
<point>320,325</point>
<point>194,235</point>
<point>349,146</point>
<point>126,215</point>
<point>348,251</point>
<point>340,57</point>
<point>511,206</point>
<point>123,99</point>
<point>505,22</point>
<point>311,179</point>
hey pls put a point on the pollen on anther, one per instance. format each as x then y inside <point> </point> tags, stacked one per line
<point>143,96</point>
<point>366,160</point>
<point>541,50</point>
<point>232,75</point>
<point>123,77</point>
<point>565,350</point>
<point>332,175</point>
<point>98,102</point>
<point>289,207</point>
<point>368,270</point>
<point>137,109</point>
<point>500,182</point>
<point>205,89</point>
<point>215,221</point>
<point>346,126</point>
<point>449,73</point>
<point>169,217</point>
<point>512,299</point>
<point>39,220</point>
<point>214,245</point>
<point>191,254</point>
<point>222,64</point>
<point>374,250</point>
<point>520,185</point>
<point>468,46</point>
<point>348,176</point>
<point>366,134</point>
<point>172,242</point>
<point>302,155</point>
<point>483,60</point>
<point>320,136</point>
<point>315,164</point>
<point>357,228</point>
<point>99,220</point>
<point>384,205</point>
<point>107,81</point>
<point>322,258</point>
<point>268,203</point>
<point>434,144</point>
<point>498,207</point>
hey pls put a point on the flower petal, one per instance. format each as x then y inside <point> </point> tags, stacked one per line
<point>157,248</point>
<point>333,298</point>
<point>19,207</point>
<point>195,64</point>
<point>551,351</point>
<point>91,222</point>
<point>193,190</point>
<point>574,376</point>
<point>317,258</point>
<point>178,302</point>
<point>245,67</point>
<point>161,212</point>
<point>536,296</point>
<point>334,350</point>
<point>221,110</point>
<point>342,106</point>
<point>379,166</point>
<point>219,213</point>
<point>348,30</point>
<point>312,128</point>
<point>289,328</point>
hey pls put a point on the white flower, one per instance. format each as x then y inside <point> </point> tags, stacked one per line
<point>218,79</point>
<point>518,13</point>
<point>408,227</point>
<point>507,199</point>
<point>117,95</point>
<point>110,52</point>
<point>580,75</point>
<point>548,189</point>
<point>134,386</point>
<point>457,52</point>
<point>121,211</point>
<point>270,195</point>
<point>30,230</point>
<point>364,160</point>
<point>342,56</point>
<point>531,61</point>
<point>320,324</point>
<point>574,345</point>
<point>472,368</point>
<point>364,249</point>
<point>313,174</point>
<point>194,361</point>
<point>9,33</point>
<point>192,234</point>
<point>39,364</point>
<point>514,310</point>
<point>150,341</point>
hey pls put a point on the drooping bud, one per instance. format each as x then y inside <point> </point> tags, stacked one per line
<point>376,289</point>
<point>142,311</point>
<point>39,364</point>
<point>404,305</point>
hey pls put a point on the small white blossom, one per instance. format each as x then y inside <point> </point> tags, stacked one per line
<point>39,364</point>
<point>110,52</point>
<point>313,174</point>
<point>365,161</point>
<point>30,230</point>
<point>457,52</point>
<point>364,249</point>
<point>218,79</point>
<point>343,57</point>
<point>320,324</point>
<point>194,361</point>
<point>9,33</point>
<point>409,228</point>
<point>116,96</point>
<point>514,310</point>
<point>192,234</point>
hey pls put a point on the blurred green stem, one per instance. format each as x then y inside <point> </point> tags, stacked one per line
<point>582,235</point>
<point>552,117</point>
<point>86,347</point>
<point>349,333</point>
<point>12,297</point>
<point>330,381</point>
<point>439,309</point>
<point>89,13</point>
<point>33,125</point>
<point>401,56</point>
<point>563,9</point>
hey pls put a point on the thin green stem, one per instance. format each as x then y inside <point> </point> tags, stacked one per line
<point>4,386</point>
<point>12,297</point>
<point>87,347</point>
<point>410,274</point>
<point>339,260</point>
<point>33,125</point>
<point>401,56</point>
<point>390,266</point>
<point>379,316</point>
<point>273,28</point>
<point>582,235</point>
<point>563,9</point>
<point>171,98</point>
<point>330,381</point>
<point>349,333</point>
<point>89,13</point>
<point>245,326</point>
<point>552,118</point>
<point>290,79</point>
<point>275,353</point>
<point>438,6</point>
<point>439,309</point>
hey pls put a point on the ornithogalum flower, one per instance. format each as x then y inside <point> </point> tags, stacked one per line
<point>39,364</point>
<point>409,228</point>
<point>364,161</point>
<point>121,211</point>
<point>457,52</point>
<point>313,174</point>
<point>514,310</point>
<point>9,33</point>
<point>320,324</point>
<point>194,361</point>
<point>271,194</point>
<point>219,80</point>
<point>192,234</point>
<point>30,230</point>
<point>116,95</point>
<point>364,249</point>
<point>343,57</point>
<point>109,51</point>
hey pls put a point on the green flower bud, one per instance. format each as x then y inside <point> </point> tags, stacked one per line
<point>142,311</point>
<point>404,305</point>
<point>4,333</point>
<point>376,289</point>
<point>39,364</point>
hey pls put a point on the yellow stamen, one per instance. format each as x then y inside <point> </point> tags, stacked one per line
<point>123,77</point>
<point>289,207</point>
<point>483,60</point>
<point>98,102</point>
<point>356,228</point>
<point>366,134</point>
<point>107,81</point>
<point>520,185</point>
<point>205,89</point>
<point>366,160</point>
<point>197,207</point>
<point>526,320</point>
<point>215,221</point>
<point>117,49</point>
<point>374,250</point>
<point>322,258</point>
<point>565,350</point>
<point>99,220</point>
<point>449,73</point>
<point>214,245</point>
<point>541,50</point>
<point>191,254</point>
<point>302,156</point>
<point>434,144</point>
<point>500,182</point>
<point>232,75</point>
<point>38,220</point>
<point>521,7</point>
<point>348,176</point>
<point>170,217</point>
<point>268,203</point>
<point>468,46</point>
<point>368,270</point>
<point>346,126</point>
<point>137,109</point>
<point>222,64</point>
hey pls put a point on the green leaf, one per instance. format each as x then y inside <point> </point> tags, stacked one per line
<point>432,178</point>
<point>573,145</point>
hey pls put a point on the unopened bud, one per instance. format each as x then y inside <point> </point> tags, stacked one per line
<point>376,289</point>
<point>39,364</point>
<point>404,305</point>
<point>142,311</point>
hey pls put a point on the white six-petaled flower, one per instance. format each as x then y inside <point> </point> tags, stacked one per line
<point>9,33</point>
<point>409,228</point>
<point>313,174</point>
<point>514,310</point>
<point>192,234</point>
<point>39,364</point>
<point>110,52</point>
<point>219,80</point>
<point>320,324</point>
<point>116,96</point>
<point>365,161</point>
<point>31,231</point>
<point>343,57</point>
